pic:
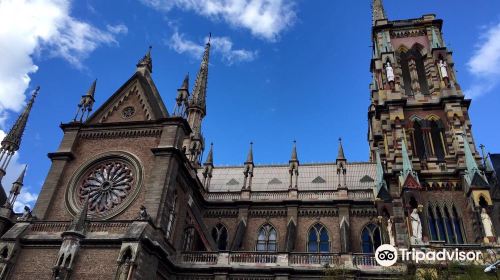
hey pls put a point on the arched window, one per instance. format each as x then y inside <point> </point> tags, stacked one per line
<point>188,239</point>
<point>437,140</point>
<point>171,216</point>
<point>432,224</point>
<point>449,226</point>
<point>458,225</point>
<point>318,239</point>
<point>418,139</point>
<point>219,234</point>
<point>370,238</point>
<point>440,223</point>
<point>267,239</point>
<point>412,65</point>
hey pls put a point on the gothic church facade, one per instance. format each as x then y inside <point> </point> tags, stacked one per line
<point>128,196</point>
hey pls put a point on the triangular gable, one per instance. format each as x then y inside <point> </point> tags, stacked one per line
<point>411,183</point>
<point>384,194</point>
<point>136,100</point>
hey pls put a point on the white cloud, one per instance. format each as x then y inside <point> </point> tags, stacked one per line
<point>31,27</point>
<point>219,45</point>
<point>24,198</point>
<point>264,18</point>
<point>117,29</point>
<point>484,64</point>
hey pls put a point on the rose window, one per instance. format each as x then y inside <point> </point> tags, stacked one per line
<point>107,185</point>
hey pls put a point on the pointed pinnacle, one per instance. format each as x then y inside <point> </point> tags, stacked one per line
<point>250,154</point>
<point>378,12</point>
<point>91,90</point>
<point>20,179</point>
<point>294,152</point>
<point>210,157</point>
<point>340,153</point>
<point>185,83</point>
<point>78,223</point>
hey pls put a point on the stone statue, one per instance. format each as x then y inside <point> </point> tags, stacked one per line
<point>443,69</point>
<point>389,72</point>
<point>487,224</point>
<point>143,214</point>
<point>416,226</point>
<point>26,214</point>
<point>390,233</point>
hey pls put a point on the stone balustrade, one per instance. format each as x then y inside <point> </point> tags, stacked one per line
<point>269,195</point>
<point>314,259</point>
<point>364,260</point>
<point>283,195</point>
<point>295,259</point>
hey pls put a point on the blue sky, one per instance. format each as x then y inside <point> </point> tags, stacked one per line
<point>282,71</point>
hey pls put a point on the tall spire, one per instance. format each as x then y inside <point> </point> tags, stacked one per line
<point>378,12</point>
<point>86,103</point>
<point>250,154</point>
<point>198,99</point>
<point>12,141</point>
<point>340,153</point>
<point>146,62</point>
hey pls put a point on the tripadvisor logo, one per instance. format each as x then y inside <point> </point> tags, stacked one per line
<point>386,255</point>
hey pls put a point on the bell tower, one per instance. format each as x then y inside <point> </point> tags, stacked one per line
<point>418,122</point>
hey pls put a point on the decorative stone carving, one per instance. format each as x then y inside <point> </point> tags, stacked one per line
<point>389,71</point>
<point>390,232</point>
<point>416,227</point>
<point>128,112</point>
<point>143,214</point>
<point>111,181</point>
<point>107,185</point>
<point>443,69</point>
<point>487,224</point>
<point>26,214</point>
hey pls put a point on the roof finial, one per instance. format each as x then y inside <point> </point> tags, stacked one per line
<point>210,157</point>
<point>250,154</point>
<point>86,103</point>
<point>209,37</point>
<point>146,62</point>
<point>294,152</point>
<point>198,99</point>
<point>340,153</point>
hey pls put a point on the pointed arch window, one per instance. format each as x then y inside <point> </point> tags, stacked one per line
<point>451,238</point>
<point>413,68</point>
<point>219,234</point>
<point>437,139</point>
<point>318,239</point>
<point>171,216</point>
<point>445,224</point>
<point>370,238</point>
<point>267,239</point>
<point>458,226</point>
<point>418,140</point>
<point>432,224</point>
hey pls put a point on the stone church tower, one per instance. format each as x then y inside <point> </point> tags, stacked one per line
<point>128,196</point>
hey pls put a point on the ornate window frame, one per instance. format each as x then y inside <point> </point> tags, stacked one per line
<point>74,205</point>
